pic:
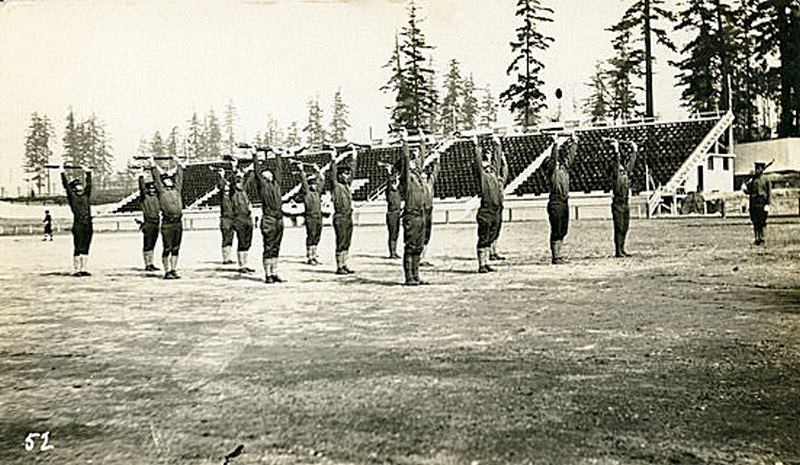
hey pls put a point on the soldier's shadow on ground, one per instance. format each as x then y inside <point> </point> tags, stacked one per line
<point>56,273</point>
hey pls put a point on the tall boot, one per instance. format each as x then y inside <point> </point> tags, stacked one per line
<point>146,259</point>
<point>345,259</point>
<point>166,263</point>
<point>482,260</point>
<point>76,265</point>
<point>558,259</point>
<point>554,252</point>
<point>314,255</point>
<point>408,269</point>
<point>309,255</point>
<point>415,268</point>
<point>174,265</point>
<point>275,277</point>
<point>340,263</point>
<point>267,270</point>
<point>227,258</point>
<point>393,249</point>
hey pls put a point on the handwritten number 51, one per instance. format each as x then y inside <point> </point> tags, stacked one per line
<point>30,444</point>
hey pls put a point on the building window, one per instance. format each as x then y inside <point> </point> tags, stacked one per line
<point>726,164</point>
<point>710,163</point>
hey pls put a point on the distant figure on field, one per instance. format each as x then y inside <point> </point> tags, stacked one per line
<point>48,226</point>
<point>759,189</point>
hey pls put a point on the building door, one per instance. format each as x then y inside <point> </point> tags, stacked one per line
<point>700,178</point>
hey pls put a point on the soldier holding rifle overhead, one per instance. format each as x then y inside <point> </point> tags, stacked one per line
<point>225,216</point>
<point>169,187</point>
<point>78,195</point>
<point>621,186</point>
<point>394,206</point>
<point>491,184</point>
<point>343,210</point>
<point>151,223</point>
<point>413,190</point>
<point>558,204</point>
<point>313,210</point>
<point>268,186</point>
<point>759,189</point>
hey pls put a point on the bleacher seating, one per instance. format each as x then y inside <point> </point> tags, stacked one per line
<point>663,149</point>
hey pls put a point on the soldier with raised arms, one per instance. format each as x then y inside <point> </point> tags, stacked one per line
<point>558,205</point>
<point>491,182</point>
<point>621,186</point>
<point>151,222</point>
<point>268,186</point>
<point>312,203</point>
<point>341,179</point>
<point>169,187</point>
<point>78,195</point>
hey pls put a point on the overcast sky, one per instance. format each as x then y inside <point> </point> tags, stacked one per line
<point>145,65</point>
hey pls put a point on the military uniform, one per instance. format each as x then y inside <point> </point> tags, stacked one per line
<point>242,224</point>
<point>271,197</point>
<point>620,210</point>
<point>82,229</point>
<point>414,192</point>
<point>393,212</point>
<point>490,212</point>
<point>151,224</point>
<point>313,214</point>
<point>342,215</point>
<point>225,219</point>
<point>171,204</point>
<point>759,189</point>
<point>429,181</point>
<point>558,204</point>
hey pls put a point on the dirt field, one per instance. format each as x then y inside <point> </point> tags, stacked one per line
<point>688,352</point>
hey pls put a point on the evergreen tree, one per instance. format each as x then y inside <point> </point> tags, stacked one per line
<point>488,109</point>
<point>171,146</point>
<point>314,131</point>
<point>412,76</point>
<point>212,142</point>
<point>339,123</point>
<point>777,27</point>
<point>293,135</point>
<point>451,103</point>
<point>524,97</point>
<point>194,140</point>
<point>598,104</point>
<point>625,67</point>
<point>229,144</point>
<point>643,17</point>
<point>469,106</point>
<point>700,70</point>
<point>71,154</point>
<point>273,135</point>
<point>434,117</point>
<point>37,150</point>
<point>157,148</point>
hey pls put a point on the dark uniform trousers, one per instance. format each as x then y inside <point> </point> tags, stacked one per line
<point>621,214</point>
<point>393,223</point>
<point>489,222</point>
<point>313,230</point>
<point>428,224</point>
<point>272,235</point>
<point>558,214</point>
<point>413,231</point>
<point>81,237</point>
<point>244,234</point>
<point>171,235</point>
<point>150,231</point>
<point>343,230</point>
<point>757,214</point>
<point>226,227</point>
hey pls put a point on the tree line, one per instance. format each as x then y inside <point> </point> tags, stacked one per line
<point>741,54</point>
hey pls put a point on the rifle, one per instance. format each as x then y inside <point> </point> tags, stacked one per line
<point>757,173</point>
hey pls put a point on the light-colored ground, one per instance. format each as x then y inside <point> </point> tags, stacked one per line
<point>688,352</point>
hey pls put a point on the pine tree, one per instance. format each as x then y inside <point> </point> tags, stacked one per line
<point>293,135</point>
<point>157,145</point>
<point>777,25</point>
<point>273,135</point>
<point>339,123</point>
<point>625,67</point>
<point>37,150</point>
<point>171,147</point>
<point>469,105</point>
<point>314,131</point>
<point>451,103</point>
<point>434,117</point>
<point>700,70</point>
<point>412,76</point>
<point>194,140</point>
<point>488,109</point>
<point>598,104</point>
<point>71,154</point>
<point>643,17</point>
<point>212,146</point>
<point>229,144</point>
<point>524,97</point>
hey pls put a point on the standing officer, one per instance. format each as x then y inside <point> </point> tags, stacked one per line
<point>343,211</point>
<point>269,190</point>
<point>412,189</point>
<point>759,189</point>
